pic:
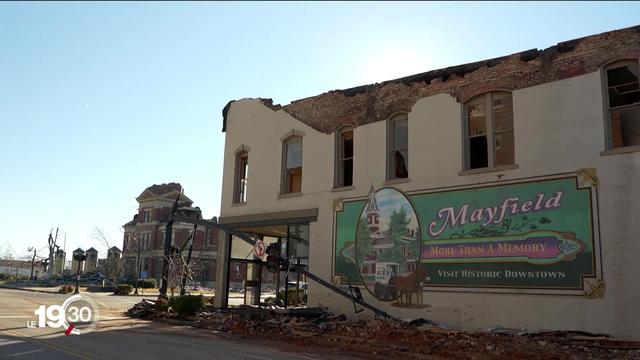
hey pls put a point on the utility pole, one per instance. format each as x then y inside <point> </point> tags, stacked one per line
<point>33,260</point>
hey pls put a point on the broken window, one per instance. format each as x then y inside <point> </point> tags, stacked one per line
<point>344,158</point>
<point>489,131</point>
<point>292,172</point>
<point>398,157</point>
<point>623,102</point>
<point>240,184</point>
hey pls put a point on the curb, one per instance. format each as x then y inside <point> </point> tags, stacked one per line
<point>25,289</point>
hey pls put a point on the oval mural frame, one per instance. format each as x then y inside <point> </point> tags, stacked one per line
<point>380,277</point>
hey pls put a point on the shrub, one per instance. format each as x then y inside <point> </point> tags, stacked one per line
<point>143,283</point>
<point>65,289</point>
<point>94,288</point>
<point>148,283</point>
<point>123,289</point>
<point>186,305</point>
<point>294,296</point>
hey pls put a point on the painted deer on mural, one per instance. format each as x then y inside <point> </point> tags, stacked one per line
<point>408,285</point>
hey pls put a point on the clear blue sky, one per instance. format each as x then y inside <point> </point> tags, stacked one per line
<point>100,100</point>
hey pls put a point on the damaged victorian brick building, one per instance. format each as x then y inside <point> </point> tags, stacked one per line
<point>502,192</point>
<point>144,235</point>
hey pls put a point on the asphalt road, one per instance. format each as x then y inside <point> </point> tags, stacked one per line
<point>118,337</point>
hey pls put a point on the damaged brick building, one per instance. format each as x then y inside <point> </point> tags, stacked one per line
<point>147,231</point>
<point>512,183</point>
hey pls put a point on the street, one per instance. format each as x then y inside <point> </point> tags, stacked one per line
<point>118,337</point>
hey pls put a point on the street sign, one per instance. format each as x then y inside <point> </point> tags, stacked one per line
<point>259,248</point>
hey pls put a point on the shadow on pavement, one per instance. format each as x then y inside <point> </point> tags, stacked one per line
<point>133,339</point>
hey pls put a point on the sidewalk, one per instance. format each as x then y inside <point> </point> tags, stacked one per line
<point>83,289</point>
<point>42,289</point>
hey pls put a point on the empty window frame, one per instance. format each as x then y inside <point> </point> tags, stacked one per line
<point>240,181</point>
<point>292,165</point>
<point>398,145</point>
<point>488,125</point>
<point>344,158</point>
<point>623,103</point>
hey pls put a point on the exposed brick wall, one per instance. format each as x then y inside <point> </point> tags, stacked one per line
<point>366,104</point>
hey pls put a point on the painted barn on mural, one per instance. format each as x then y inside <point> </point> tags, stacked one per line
<point>504,192</point>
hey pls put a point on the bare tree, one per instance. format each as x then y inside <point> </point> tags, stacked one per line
<point>134,243</point>
<point>110,266</point>
<point>178,269</point>
<point>7,252</point>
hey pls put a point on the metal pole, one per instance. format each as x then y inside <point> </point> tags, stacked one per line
<point>32,264</point>
<point>137,268</point>
<point>286,278</point>
<point>77,291</point>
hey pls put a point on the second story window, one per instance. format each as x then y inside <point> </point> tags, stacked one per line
<point>212,238</point>
<point>623,103</point>
<point>146,215</point>
<point>292,165</point>
<point>488,124</point>
<point>144,241</point>
<point>344,158</point>
<point>242,170</point>
<point>398,156</point>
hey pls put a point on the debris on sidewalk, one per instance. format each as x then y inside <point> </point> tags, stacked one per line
<point>415,339</point>
<point>144,309</point>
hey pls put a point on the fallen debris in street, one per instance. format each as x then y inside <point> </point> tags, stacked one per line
<point>415,339</point>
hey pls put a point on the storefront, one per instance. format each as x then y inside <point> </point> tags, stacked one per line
<point>250,281</point>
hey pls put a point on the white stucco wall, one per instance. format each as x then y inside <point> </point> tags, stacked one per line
<point>558,128</point>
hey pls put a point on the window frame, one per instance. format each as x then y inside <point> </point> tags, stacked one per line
<point>391,148</point>
<point>144,241</point>
<point>606,109</point>
<point>147,215</point>
<point>284,172</point>
<point>339,179</point>
<point>239,189</point>
<point>490,130</point>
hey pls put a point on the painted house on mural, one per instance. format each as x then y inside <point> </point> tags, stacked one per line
<point>513,182</point>
<point>145,234</point>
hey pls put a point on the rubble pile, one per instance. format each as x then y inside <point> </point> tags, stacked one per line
<point>417,339</point>
<point>144,309</point>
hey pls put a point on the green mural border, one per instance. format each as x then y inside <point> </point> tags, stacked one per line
<point>591,285</point>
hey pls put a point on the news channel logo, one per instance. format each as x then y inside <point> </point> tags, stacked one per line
<point>78,314</point>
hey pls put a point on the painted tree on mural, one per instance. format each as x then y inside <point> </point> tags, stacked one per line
<point>364,245</point>
<point>397,229</point>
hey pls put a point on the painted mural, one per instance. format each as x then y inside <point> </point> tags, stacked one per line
<point>387,247</point>
<point>535,235</point>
